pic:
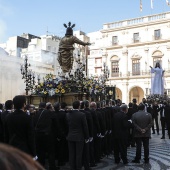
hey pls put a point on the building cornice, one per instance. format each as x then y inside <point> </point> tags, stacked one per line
<point>138,25</point>
<point>139,44</point>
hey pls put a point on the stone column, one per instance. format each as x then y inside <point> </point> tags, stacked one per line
<point>125,94</point>
<point>146,59</point>
<point>125,54</point>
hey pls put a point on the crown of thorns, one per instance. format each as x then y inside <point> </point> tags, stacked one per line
<point>69,25</point>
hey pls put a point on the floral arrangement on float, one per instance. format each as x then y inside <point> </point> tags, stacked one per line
<point>51,87</point>
<point>58,86</point>
<point>94,88</point>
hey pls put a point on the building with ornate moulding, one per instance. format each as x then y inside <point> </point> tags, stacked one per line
<point>129,47</point>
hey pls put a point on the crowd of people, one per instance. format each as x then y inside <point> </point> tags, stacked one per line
<point>84,134</point>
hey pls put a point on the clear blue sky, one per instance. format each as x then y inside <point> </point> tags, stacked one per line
<point>35,16</point>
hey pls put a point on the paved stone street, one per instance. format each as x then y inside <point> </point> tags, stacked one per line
<point>159,158</point>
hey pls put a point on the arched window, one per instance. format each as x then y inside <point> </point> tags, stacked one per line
<point>157,57</point>
<point>114,66</point>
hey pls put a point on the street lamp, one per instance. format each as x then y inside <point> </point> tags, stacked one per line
<point>80,70</point>
<point>79,73</point>
<point>104,77</point>
<point>28,75</point>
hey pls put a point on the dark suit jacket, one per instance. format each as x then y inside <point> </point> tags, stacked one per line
<point>61,115</point>
<point>155,111</point>
<point>108,113</point>
<point>47,123</point>
<point>130,112</point>
<point>96,126</point>
<point>161,109</point>
<point>135,107</point>
<point>102,110</point>
<point>19,132</point>
<point>89,121</point>
<point>167,114</point>
<point>1,129</point>
<point>142,120</point>
<point>101,121</point>
<point>3,118</point>
<point>149,109</point>
<point>121,125</point>
<point>77,124</point>
<point>117,108</point>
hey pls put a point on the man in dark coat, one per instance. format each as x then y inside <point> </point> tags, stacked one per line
<point>96,129</point>
<point>104,146</point>
<point>8,110</point>
<point>47,131</point>
<point>86,158</point>
<point>102,130</point>
<point>131,140</point>
<point>109,118</point>
<point>19,130</point>
<point>120,132</point>
<point>91,144</point>
<point>1,107</point>
<point>135,106</point>
<point>1,124</point>
<point>118,104</point>
<point>78,133</point>
<point>167,117</point>
<point>62,145</point>
<point>163,110</point>
<point>142,122</point>
<point>155,110</point>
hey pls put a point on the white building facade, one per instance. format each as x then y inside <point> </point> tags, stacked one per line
<point>128,48</point>
<point>43,50</point>
<point>11,82</point>
<point>42,55</point>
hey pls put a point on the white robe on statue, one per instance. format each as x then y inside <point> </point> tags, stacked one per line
<point>157,81</point>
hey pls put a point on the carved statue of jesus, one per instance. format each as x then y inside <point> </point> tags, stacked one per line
<point>157,79</point>
<point>65,53</point>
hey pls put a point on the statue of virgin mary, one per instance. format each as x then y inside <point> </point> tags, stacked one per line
<point>157,79</point>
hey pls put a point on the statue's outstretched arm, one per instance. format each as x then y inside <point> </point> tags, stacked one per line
<point>76,40</point>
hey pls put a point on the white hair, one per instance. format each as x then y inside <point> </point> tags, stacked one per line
<point>123,107</point>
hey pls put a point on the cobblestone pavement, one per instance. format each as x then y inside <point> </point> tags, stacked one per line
<point>159,158</point>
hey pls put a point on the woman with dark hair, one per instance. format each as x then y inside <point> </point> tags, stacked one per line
<point>14,159</point>
<point>157,82</point>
